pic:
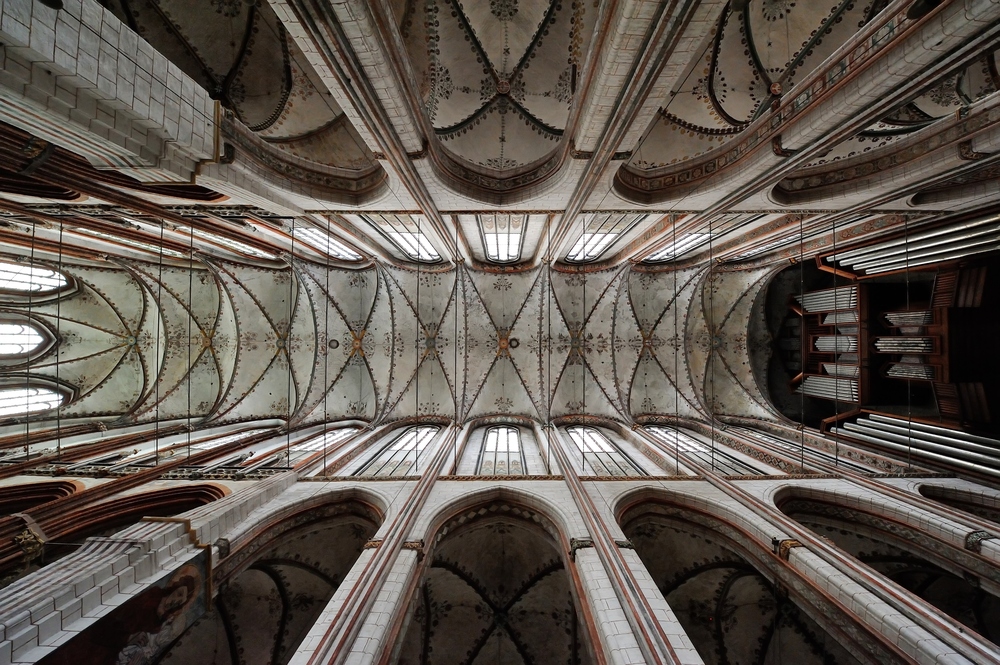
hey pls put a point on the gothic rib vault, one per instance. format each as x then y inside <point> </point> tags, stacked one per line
<point>228,342</point>
<point>499,331</point>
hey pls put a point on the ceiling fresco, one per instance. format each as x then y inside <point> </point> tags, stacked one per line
<point>497,78</point>
<point>228,342</point>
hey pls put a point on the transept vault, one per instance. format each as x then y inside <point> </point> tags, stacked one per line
<point>499,332</point>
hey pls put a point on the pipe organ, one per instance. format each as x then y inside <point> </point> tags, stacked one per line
<point>831,360</point>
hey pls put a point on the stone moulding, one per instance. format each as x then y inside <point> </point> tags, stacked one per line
<point>656,185</point>
<point>338,185</point>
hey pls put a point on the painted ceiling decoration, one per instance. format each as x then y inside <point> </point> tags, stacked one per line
<point>225,342</point>
<point>497,80</point>
<point>241,53</point>
<point>758,51</point>
<point>97,353</point>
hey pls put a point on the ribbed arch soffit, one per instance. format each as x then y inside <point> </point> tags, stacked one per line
<point>242,55</point>
<point>497,82</point>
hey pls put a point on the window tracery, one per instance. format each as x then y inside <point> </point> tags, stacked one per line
<point>601,231</point>
<point>19,339</point>
<point>503,236</point>
<point>31,279</point>
<point>16,401</point>
<point>325,243</point>
<point>404,232</point>
<point>601,457</point>
<point>152,248</point>
<point>682,245</point>
<point>715,457</point>
<point>401,454</point>
<point>502,454</point>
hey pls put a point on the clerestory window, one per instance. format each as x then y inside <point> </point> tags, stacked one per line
<point>325,243</point>
<point>401,455</point>
<point>229,243</point>
<point>682,245</point>
<point>28,399</point>
<point>600,232</point>
<point>326,439</point>
<point>502,454</point>
<point>150,247</point>
<point>31,279</point>
<point>404,232</point>
<point>716,457</point>
<point>208,444</point>
<point>600,456</point>
<point>503,234</point>
<point>19,339</point>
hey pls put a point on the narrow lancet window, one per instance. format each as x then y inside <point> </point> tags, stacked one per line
<point>502,455</point>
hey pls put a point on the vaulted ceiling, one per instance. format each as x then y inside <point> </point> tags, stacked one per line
<point>229,342</point>
<point>699,145</point>
<point>497,79</point>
